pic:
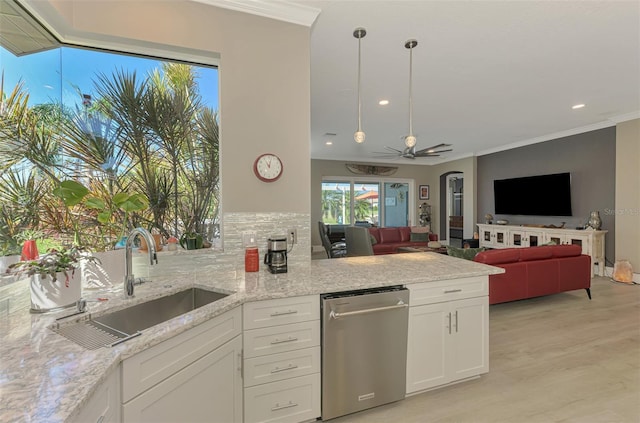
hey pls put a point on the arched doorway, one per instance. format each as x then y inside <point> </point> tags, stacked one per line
<point>451,207</point>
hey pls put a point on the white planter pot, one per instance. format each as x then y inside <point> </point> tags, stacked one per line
<point>47,295</point>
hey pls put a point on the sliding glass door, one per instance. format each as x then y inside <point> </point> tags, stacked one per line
<point>396,204</point>
<point>367,201</point>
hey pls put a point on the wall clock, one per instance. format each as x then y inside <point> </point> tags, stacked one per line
<point>268,167</point>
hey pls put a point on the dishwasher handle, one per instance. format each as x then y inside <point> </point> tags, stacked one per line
<point>334,315</point>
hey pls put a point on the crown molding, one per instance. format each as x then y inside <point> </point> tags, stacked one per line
<point>626,117</point>
<point>279,10</point>
<point>569,132</point>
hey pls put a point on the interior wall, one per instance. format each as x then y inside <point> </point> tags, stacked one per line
<point>264,83</point>
<point>590,157</point>
<point>627,204</point>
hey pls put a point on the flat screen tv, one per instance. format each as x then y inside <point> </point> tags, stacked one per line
<point>541,195</point>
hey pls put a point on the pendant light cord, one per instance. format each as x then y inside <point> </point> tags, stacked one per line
<point>359,101</point>
<point>411,90</point>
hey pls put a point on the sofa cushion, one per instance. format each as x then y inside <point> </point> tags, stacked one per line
<point>376,234</point>
<point>566,250</point>
<point>405,233</point>
<point>507,255</point>
<point>388,235</point>
<point>536,253</point>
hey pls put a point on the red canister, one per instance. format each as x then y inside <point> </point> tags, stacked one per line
<point>251,259</point>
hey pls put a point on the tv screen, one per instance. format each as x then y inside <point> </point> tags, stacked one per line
<point>541,195</point>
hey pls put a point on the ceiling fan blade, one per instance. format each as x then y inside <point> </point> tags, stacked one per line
<point>431,150</point>
<point>393,149</point>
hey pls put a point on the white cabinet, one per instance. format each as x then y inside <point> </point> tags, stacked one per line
<point>448,338</point>
<point>282,360</point>
<point>208,390</point>
<point>104,405</point>
<point>503,236</point>
<point>194,376</point>
<point>525,238</point>
<point>494,236</point>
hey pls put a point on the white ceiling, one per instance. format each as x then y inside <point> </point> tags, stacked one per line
<point>487,75</point>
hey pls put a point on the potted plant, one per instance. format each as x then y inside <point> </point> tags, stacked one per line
<point>53,277</point>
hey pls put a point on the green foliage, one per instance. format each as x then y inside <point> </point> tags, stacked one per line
<point>144,154</point>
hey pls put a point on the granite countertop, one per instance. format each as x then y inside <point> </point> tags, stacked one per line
<point>45,377</point>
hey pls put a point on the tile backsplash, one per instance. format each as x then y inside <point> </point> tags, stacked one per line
<point>265,225</point>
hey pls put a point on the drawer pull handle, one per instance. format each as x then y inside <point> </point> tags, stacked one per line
<point>281,407</point>
<point>289,367</point>
<point>451,291</point>
<point>280,341</point>
<point>283,313</point>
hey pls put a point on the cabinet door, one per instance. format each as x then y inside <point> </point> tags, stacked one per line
<point>468,349</point>
<point>426,346</point>
<point>500,237</point>
<point>518,238</point>
<point>208,390</point>
<point>104,404</point>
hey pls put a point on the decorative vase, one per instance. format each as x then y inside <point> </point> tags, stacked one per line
<point>594,221</point>
<point>49,295</point>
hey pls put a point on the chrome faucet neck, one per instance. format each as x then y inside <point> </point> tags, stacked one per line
<point>129,278</point>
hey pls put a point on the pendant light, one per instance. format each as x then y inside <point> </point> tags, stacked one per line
<point>410,140</point>
<point>359,33</point>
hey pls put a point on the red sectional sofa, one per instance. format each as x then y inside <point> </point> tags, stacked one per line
<point>536,271</point>
<point>388,240</point>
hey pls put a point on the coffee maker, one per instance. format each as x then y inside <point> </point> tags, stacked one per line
<point>276,257</point>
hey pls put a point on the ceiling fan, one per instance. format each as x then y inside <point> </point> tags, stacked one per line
<point>412,153</point>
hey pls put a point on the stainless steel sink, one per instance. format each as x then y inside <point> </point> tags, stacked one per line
<point>116,327</point>
<point>144,315</point>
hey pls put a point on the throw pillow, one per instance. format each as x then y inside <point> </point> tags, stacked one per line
<point>374,241</point>
<point>463,253</point>
<point>419,237</point>
<point>420,229</point>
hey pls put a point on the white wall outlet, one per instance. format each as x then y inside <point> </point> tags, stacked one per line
<point>293,235</point>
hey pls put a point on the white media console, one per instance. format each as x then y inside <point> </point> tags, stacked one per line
<point>508,236</point>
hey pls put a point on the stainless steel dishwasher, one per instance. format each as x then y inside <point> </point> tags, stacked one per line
<point>364,349</point>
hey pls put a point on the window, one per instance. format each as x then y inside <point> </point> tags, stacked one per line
<point>119,124</point>
<point>367,201</point>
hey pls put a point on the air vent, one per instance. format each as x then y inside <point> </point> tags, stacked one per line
<point>21,33</point>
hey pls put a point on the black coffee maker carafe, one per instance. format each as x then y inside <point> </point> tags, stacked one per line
<point>276,257</point>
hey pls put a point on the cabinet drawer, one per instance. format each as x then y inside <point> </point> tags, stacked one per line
<point>274,367</point>
<point>155,364</point>
<point>435,292</point>
<point>261,314</point>
<point>288,401</point>
<point>281,338</point>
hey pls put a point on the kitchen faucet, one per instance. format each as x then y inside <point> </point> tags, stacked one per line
<point>129,278</point>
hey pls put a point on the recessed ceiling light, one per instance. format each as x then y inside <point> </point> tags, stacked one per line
<point>329,143</point>
<point>383,102</point>
<point>578,106</point>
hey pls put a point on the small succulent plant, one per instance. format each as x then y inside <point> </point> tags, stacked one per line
<point>52,263</point>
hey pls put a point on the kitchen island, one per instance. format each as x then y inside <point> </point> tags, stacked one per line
<point>45,377</point>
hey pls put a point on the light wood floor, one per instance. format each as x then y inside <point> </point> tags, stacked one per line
<point>560,358</point>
